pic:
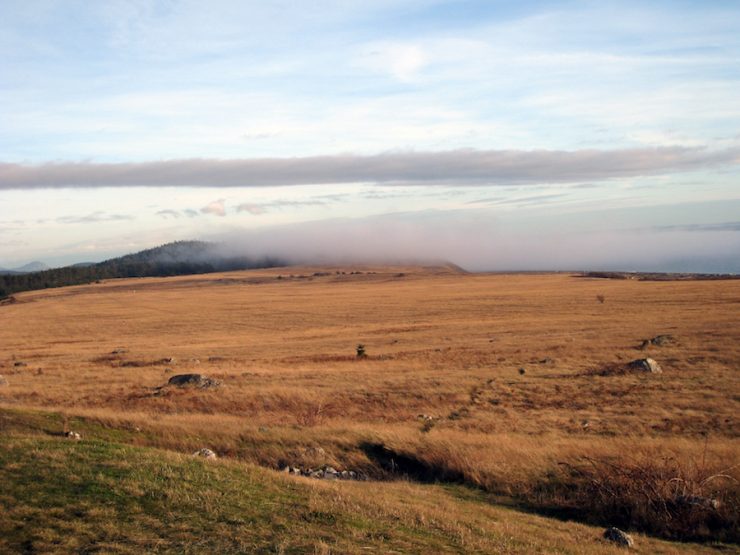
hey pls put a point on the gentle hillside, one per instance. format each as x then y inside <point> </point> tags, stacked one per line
<point>172,259</point>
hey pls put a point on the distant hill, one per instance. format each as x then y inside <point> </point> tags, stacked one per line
<point>35,266</point>
<point>172,259</point>
<point>27,268</point>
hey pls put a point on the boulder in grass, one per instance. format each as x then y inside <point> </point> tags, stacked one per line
<point>205,453</point>
<point>192,380</point>
<point>646,365</point>
<point>658,341</point>
<point>74,436</point>
<point>617,536</point>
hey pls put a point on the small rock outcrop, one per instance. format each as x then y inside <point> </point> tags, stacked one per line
<point>617,536</point>
<point>324,473</point>
<point>73,436</point>
<point>193,380</point>
<point>658,341</point>
<point>205,453</point>
<point>646,365</point>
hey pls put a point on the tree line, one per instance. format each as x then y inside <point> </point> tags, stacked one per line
<point>173,259</point>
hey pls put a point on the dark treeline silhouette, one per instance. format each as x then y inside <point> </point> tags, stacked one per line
<point>172,259</point>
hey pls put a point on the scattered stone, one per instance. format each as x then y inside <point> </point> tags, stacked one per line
<point>617,536</point>
<point>646,365</point>
<point>169,360</point>
<point>193,380</point>
<point>119,351</point>
<point>699,501</point>
<point>426,417</point>
<point>546,360</point>
<point>661,340</point>
<point>658,341</point>
<point>324,473</point>
<point>73,436</point>
<point>3,381</point>
<point>205,453</point>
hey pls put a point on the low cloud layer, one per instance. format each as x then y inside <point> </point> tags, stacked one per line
<point>483,242</point>
<point>465,167</point>
<point>93,218</point>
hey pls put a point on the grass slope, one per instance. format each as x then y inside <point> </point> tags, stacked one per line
<point>101,497</point>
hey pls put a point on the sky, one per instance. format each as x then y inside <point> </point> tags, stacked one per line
<point>499,135</point>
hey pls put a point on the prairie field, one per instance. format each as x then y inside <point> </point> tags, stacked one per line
<point>491,413</point>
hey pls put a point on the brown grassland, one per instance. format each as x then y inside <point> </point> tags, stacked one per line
<point>532,439</point>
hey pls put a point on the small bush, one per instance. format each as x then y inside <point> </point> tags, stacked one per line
<point>361,351</point>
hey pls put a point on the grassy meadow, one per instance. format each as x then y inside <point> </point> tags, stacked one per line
<point>491,413</point>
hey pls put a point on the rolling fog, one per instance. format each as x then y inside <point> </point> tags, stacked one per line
<point>482,242</point>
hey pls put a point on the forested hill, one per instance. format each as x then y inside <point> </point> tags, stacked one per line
<point>172,259</point>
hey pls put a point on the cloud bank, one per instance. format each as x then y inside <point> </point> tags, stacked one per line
<point>480,241</point>
<point>465,167</point>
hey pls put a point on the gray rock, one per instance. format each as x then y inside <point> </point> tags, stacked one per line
<point>73,436</point>
<point>194,380</point>
<point>658,341</point>
<point>205,453</point>
<point>617,536</point>
<point>646,365</point>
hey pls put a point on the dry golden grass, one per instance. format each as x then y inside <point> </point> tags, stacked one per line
<point>440,343</point>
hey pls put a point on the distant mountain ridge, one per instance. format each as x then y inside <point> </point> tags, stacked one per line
<point>171,259</point>
<point>34,266</point>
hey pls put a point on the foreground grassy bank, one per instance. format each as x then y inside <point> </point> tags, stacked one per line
<point>105,494</point>
<point>95,496</point>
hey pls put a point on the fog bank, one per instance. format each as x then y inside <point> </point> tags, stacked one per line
<point>479,242</point>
